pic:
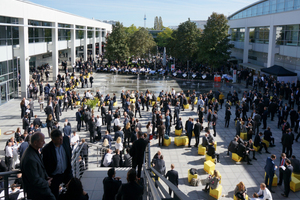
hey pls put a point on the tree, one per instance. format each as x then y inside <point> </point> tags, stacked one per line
<point>184,41</point>
<point>155,23</point>
<point>164,37</point>
<point>214,44</point>
<point>141,43</point>
<point>116,44</point>
<point>160,24</point>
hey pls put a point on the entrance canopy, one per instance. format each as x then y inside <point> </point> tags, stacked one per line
<point>281,73</point>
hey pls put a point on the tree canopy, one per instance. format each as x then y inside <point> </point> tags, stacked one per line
<point>164,37</point>
<point>214,44</point>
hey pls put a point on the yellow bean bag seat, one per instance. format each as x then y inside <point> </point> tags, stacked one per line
<point>190,176</point>
<point>297,176</point>
<point>67,89</point>
<point>132,100</point>
<point>167,142</point>
<point>266,142</point>
<point>183,140</point>
<point>201,150</point>
<point>243,136</point>
<point>220,176</point>
<point>295,184</point>
<point>275,180</point>
<point>153,102</point>
<point>235,198</point>
<point>207,157</point>
<point>72,77</point>
<point>158,99</point>
<point>236,157</point>
<point>209,166</point>
<point>216,193</point>
<point>178,141</point>
<point>187,106</point>
<point>61,97</point>
<point>178,132</point>
<point>77,103</point>
<point>256,148</point>
<point>115,104</point>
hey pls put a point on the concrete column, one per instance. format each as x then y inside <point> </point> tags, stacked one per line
<point>54,50</point>
<point>94,44</point>
<point>100,41</point>
<point>73,46</point>
<point>246,45</point>
<point>24,56</point>
<point>271,49</point>
<point>85,44</point>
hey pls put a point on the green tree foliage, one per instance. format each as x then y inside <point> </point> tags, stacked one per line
<point>117,44</point>
<point>163,38</point>
<point>160,23</point>
<point>141,43</point>
<point>184,41</point>
<point>130,30</point>
<point>155,23</point>
<point>214,44</point>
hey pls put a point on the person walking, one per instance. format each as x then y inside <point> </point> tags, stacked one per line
<point>287,174</point>
<point>172,175</point>
<point>270,170</point>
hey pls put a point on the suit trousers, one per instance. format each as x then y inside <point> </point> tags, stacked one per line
<point>280,176</point>
<point>78,125</point>
<point>139,165</point>
<point>139,113</point>
<point>286,187</point>
<point>9,162</point>
<point>270,178</point>
<point>99,132</point>
<point>197,139</point>
<point>92,136</point>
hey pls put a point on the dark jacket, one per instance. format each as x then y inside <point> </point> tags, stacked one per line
<point>130,191</point>
<point>50,160</point>
<point>197,129</point>
<point>111,188</point>
<point>233,146</point>
<point>173,177</point>
<point>67,131</point>
<point>137,151</point>
<point>119,134</point>
<point>211,151</point>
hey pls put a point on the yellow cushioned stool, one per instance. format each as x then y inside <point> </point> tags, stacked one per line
<point>196,101</point>
<point>153,102</point>
<point>256,148</point>
<point>185,140</point>
<point>187,106</point>
<point>193,134</point>
<point>132,100</point>
<point>77,103</point>
<point>178,132</point>
<point>243,136</point>
<point>115,104</point>
<point>60,97</point>
<point>188,98</point>
<point>67,89</point>
<point>266,142</point>
<point>158,99</point>
<point>295,184</point>
<point>190,176</point>
<point>207,157</point>
<point>216,193</point>
<point>167,142</point>
<point>201,150</point>
<point>72,77</point>
<point>235,198</point>
<point>209,167</point>
<point>236,157</point>
<point>297,176</point>
<point>178,141</point>
<point>220,176</point>
<point>77,83</point>
<point>215,145</point>
<point>275,180</point>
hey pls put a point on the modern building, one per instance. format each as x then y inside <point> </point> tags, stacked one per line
<point>267,33</point>
<point>200,23</point>
<point>32,35</point>
<point>112,22</point>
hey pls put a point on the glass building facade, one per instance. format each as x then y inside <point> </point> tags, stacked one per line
<point>267,7</point>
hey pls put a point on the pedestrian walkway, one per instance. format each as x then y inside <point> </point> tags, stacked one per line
<point>183,158</point>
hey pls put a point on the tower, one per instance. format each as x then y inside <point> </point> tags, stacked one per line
<point>145,21</point>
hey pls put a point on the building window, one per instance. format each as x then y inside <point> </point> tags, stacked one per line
<point>288,35</point>
<point>64,34</point>
<point>259,35</point>
<point>36,35</point>
<point>9,35</point>
<point>238,34</point>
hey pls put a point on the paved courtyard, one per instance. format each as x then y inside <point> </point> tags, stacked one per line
<point>183,158</point>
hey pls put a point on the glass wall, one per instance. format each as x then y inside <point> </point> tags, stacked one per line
<point>9,35</point>
<point>268,7</point>
<point>238,34</point>
<point>288,35</point>
<point>259,35</point>
<point>39,34</point>
<point>64,34</point>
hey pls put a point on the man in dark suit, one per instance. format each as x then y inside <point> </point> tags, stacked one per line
<point>243,152</point>
<point>25,123</point>
<point>103,114</point>
<point>159,165</point>
<point>119,133</point>
<point>287,173</point>
<point>84,153</point>
<point>57,160</point>
<point>227,117</point>
<point>108,121</point>
<point>137,152</point>
<point>35,178</point>
<point>233,146</point>
<point>111,185</point>
<point>56,110</point>
<point>37,121</point>
<point>138,108</point>
<point>205,141</point>
<point>197,129</point>
<point>173,177</point>
<point>265,117</point>
<point>296,165</point>
<point>211,151</point>
<point>78,119</point>
<point>176,112</point>
<point>116,159</point>
<point>189,129</point>
<point>270,170</point>
<point>281,165</point>
<point>268,137</point>
<point>67,129</point>
<point>154,122</point>
<point>258,143</point>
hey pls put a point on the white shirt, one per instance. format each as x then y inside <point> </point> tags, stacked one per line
<point>98,122</point>
<point>267,194</point>
<point>119,146</point>
<point>87,94</point>
<point>8,151</point>
<point>107,159</point>
<point>26,102</point>
<point>74,139</point>
<point>117,122</point>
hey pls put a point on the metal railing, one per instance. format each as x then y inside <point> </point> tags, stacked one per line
<point>154,190</point>
<point>76,163</point>
<point>100,151</point>
<point>8,179</point>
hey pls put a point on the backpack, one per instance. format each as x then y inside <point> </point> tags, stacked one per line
<point>166,137</point>
<point>194,182</point>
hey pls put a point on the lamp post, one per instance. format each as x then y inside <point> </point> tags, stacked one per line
<point>188,70</point>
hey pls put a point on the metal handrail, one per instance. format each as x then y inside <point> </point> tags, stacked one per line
<point>5,176</point>
<point>75,161</point>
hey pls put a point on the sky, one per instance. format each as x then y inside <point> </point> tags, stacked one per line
<point>173,12</point>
